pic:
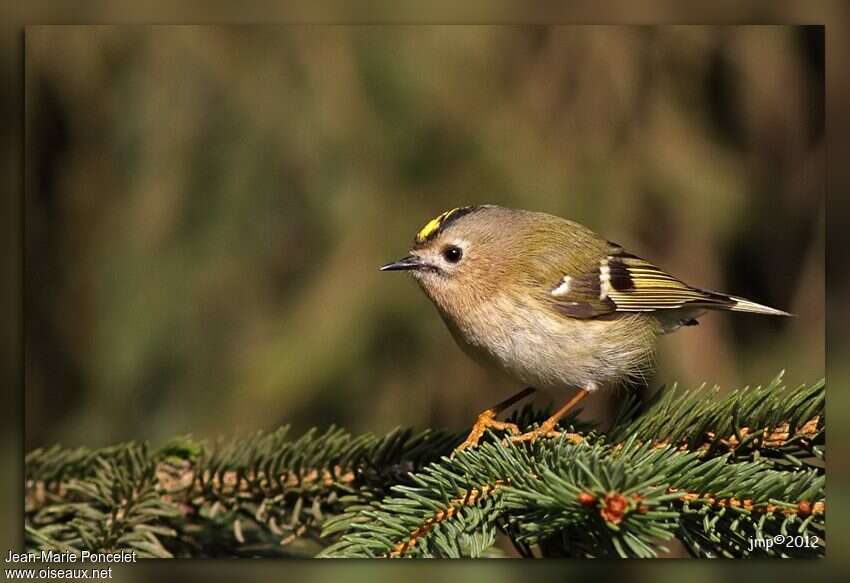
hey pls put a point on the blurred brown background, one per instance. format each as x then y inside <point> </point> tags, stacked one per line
<point>206,208</point>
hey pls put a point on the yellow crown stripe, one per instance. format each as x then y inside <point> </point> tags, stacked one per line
<point>433,225</point>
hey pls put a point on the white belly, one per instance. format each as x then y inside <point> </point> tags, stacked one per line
<point>539,347</point>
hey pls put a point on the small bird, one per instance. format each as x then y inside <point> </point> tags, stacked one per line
<point>549,302</point>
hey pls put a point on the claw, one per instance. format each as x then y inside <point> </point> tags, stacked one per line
<point>544,431</point>
<point>547,428</point>
<point>486,420</point>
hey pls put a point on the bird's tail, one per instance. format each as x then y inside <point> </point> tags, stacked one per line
<point>744,305</point>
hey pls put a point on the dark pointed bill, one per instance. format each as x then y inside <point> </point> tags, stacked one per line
<point>403,264</point>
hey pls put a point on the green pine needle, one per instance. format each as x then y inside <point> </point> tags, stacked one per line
<point>722,474</point>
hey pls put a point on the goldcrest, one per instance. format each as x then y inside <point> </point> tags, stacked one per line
<point>549,302</point>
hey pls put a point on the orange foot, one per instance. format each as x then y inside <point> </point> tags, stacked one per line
<point>486,420</point>
<point>545,430</point>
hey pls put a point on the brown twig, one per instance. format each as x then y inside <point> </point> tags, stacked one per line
<point>469,498</point>
<point>768,437</point>
<point>803,509</point>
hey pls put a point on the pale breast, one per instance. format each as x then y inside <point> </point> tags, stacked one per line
<point>543,349</point>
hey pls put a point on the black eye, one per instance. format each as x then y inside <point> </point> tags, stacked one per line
<point>452,254</point>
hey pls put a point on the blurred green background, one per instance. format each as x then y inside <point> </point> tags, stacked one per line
<point>206,208</point>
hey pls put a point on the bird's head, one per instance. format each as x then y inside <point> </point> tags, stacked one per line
<point>459,255</point>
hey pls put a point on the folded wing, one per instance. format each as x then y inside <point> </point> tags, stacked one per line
<point>623,282</point>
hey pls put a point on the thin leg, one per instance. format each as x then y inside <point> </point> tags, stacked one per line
<point>547,428</point>
<point>487,419</point>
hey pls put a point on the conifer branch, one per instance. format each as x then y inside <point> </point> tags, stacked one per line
<point>714,473</point>
<point>782,424</point>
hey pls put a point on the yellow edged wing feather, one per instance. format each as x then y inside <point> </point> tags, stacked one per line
<point>627,283</point>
